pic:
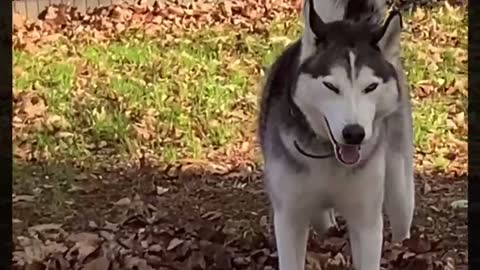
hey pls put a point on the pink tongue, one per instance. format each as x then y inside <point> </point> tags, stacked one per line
<point>349,154</point>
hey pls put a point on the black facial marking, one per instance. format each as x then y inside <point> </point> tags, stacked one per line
<point>331,87</point>
<point>321,63</point>
<point>345,37</point>
<point>359,37</point>
<point>374,60</point>
<point>370,88</point>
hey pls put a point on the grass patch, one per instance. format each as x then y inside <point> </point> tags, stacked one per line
<point>186,97</point>
<point>430,117</point>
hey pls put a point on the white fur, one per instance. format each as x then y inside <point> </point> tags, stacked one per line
<point>300,198</point>
<point>304,197</point>
<point>351,58</point>
<point>350,106</point>
<point>357,194</point>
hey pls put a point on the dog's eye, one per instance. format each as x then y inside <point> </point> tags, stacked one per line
<point>370,88</point>
<point>331,87</point>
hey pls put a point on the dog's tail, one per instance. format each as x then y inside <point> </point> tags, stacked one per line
<point>334,10</point>
<point>372,11</point>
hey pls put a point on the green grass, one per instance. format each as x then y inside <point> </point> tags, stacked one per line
<point>191,97</point>
<point>187,97</point>
<point>431,121</point>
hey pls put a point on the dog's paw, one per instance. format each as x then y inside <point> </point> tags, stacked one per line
<point>400,236</point>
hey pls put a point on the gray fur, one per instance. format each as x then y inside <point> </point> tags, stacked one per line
<point>303,190</point>
<point>278,111</point>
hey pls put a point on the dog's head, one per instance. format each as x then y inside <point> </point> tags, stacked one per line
<point>349,82</point>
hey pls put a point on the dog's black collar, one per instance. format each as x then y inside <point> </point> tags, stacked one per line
<point>293,113</point>
<point>301,151</point>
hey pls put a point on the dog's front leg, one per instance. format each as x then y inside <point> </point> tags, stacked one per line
<point>363,213</point>
<point>365,228</point>
<point>291,232</point>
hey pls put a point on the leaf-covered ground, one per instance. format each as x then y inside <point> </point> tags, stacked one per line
<point>157,219</point>
<point>134,138</point>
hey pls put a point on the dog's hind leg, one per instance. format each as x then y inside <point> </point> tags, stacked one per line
<point>399,195</point>
<point>323,221</point>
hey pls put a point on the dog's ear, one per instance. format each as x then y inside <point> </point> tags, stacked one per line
<point>387,38</point>
<point>316,23</point>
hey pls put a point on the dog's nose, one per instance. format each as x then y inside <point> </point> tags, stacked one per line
<point>353,134</point>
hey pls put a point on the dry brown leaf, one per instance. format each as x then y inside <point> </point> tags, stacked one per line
<point>85,244</point>
<point>54,248</point>
<point>35,252</point>
<point>101,263</point>
<point>84,237</point>
<point>18,21</point>
<point>313,261</point>
<point>226,7</point>
<point>50,14</point>
<point>420,262</point>
<point>23,198</point>
<point>33,106</point>
<point>175,242</point>
<point>334,244</point>
<point>161,190</point>
<point>196,261</point>
<point>137,263</point>
<point>47,231</point>
<point>450,264</point>
<point>426,188</point>
<point>35,266</point>
<point>212,215</point>
<point>418,243</point>
<point>336,263</point>
<point>123,202</point>
<point>51,37</point>
<point>45,227</point>
<point>58,262</point>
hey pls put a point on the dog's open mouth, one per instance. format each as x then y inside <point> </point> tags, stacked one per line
<point>345,153</point>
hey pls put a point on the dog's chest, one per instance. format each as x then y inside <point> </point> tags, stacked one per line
<point>323,181</point>
<point>327,184</point>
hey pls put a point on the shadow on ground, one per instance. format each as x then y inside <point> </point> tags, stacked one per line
<point>151,218</point>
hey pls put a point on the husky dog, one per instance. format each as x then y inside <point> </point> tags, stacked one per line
<point>335,130</point>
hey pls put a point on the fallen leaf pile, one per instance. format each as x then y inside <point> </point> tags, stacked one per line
<point>442,57</point>
<point>158,247</point>
<point>213,223</point>
<point>165,17</point>
<point>202,214</point>
<point>162,17</point>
